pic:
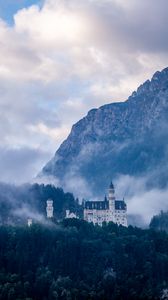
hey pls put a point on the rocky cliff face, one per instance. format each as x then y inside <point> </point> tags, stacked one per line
<point>130,137</point>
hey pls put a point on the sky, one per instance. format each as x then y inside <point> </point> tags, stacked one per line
<point>60,58</point>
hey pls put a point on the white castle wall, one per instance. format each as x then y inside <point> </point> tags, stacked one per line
<point>97,216</point>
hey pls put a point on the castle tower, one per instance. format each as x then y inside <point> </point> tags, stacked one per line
<point>111,197</point>
<point>67,213</point>
<point>49,208</point>
<point>29,222</point>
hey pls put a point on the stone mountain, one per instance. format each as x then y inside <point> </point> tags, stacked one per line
<point>116,139</point>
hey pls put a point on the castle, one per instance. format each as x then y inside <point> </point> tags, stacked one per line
<point>105,211</point>
<point>96,212</point>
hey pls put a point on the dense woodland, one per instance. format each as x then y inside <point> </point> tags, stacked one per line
<point>72,259</point>
<point>160,222</point>
<point>76,260</point>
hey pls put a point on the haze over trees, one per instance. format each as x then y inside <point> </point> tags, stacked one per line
<point>17,203</point>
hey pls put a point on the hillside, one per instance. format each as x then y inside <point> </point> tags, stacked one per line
<point>160,221</point>
<point>127,138</point>
<point>18,203</point>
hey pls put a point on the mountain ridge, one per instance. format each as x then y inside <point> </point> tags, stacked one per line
<point>134,131</point>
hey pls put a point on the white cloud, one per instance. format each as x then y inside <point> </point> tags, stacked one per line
<point>52,133</point>
<point>60,60</point>
<point>19,165</point>
<point>142,201</point>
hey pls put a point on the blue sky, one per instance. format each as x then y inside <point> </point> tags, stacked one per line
<point>63,59</point>
<point>9,7</point>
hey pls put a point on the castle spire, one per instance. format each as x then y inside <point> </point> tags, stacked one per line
<point>111,185</point>
<point>111,197</point>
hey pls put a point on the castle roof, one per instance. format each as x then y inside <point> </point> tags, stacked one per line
<point>104,205</point>
<point>120,205</point>
<point>99,205</point>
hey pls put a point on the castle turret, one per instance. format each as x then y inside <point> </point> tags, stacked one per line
<point>29,222</point>
<point>49,208</point>
<point>105,199</point>
<point>111,197</point>
<point>67,213</point>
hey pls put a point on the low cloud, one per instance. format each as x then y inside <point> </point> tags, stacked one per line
<point>25,212</point>
<point>20,165</point>
<point>142,202</point>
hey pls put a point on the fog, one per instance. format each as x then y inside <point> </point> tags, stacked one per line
<point>142,202</point>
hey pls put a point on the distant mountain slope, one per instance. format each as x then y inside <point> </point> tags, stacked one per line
<point>130,137</point>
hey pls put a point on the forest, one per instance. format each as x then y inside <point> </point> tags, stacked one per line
<point>160,221</point>
<point>77,260</point>
<point>18,203</point>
